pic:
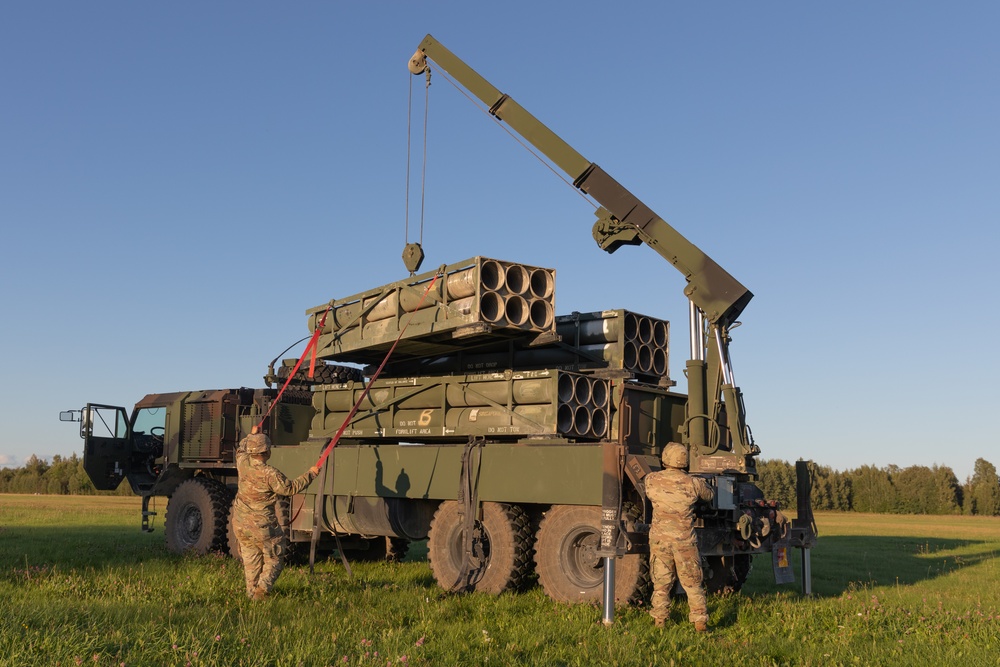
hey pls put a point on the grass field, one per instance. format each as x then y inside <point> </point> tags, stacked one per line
<point>81,584</point>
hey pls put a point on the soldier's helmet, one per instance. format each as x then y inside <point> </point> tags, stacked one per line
<point>675,456</point>
<point>258,443</point>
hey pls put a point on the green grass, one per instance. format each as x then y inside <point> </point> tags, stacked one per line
<point>80,584</point>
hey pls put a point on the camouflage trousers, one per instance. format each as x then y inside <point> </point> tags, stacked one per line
<point>670,560</point>
<point>262,550</point>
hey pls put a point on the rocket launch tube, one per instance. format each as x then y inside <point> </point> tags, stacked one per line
<point>484,275</point>
<point>454,394</point>
<point>450,407</point>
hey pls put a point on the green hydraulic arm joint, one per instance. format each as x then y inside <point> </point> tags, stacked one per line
<point>623,218</point>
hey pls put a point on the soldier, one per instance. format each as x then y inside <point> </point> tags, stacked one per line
<point>254,518</point>
<point>673,547</point>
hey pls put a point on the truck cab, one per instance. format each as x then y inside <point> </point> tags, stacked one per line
<point>182,445</point>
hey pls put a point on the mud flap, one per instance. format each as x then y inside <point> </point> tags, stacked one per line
<point>781,563</point>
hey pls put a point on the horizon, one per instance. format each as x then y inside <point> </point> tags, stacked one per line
<point>180,183</point>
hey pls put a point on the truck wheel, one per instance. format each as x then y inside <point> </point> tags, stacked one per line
<point>231,541</point>
<point>198,516</point>
<point>322,374</point>
<point>567,563</point>
<point>727,574</point>
<point>395,549</point>
<point>388,549</point>
<point>743,566</point>
<point>504,542</point>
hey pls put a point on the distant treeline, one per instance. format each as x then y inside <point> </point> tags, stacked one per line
<point>889,490</point>
<point>63,476</point>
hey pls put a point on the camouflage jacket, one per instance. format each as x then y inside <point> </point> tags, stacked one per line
<point>261,484</point>
<point>674,493</point>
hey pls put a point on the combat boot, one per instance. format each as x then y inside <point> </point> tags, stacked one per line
<point>658,622</point>
<point>700,626</point>
<point>258,595</point>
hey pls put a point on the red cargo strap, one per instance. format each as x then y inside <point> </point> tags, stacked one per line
<point>333,441</point>
<point>311,347</point>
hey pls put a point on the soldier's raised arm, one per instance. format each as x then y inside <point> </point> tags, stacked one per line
<point>704,489</point>
<point>282,486</point>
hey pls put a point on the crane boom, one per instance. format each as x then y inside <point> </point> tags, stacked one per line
<point>623,219</point>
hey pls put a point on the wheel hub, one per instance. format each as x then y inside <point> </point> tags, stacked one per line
<point>584,565</point>
<point>191,521</point>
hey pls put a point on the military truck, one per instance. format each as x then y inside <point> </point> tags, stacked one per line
<point>461,410</point>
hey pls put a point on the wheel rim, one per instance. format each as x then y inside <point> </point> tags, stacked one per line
<point>480,559</point>
<point>583,566</point>
<point>190,525</point>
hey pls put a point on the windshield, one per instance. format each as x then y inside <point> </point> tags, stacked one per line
<point>148,419</point>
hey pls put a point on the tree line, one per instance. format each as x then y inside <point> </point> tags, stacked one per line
<point>64,476</point>
<point>889,490</point>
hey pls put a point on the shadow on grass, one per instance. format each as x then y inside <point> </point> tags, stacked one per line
<point>841,562</point>
<point>79,547</point>
<point>100,547</point>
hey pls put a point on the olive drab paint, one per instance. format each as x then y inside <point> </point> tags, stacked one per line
<point>490,399</point>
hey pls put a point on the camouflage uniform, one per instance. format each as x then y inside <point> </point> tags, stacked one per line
<point>673,547</point>
<point>254,520</point>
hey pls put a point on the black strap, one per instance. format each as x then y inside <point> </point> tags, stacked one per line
<point>473,557</point>
<point>317,511</point>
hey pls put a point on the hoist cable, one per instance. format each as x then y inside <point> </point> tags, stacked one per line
<point>409,115</point>
<point>423,168</point>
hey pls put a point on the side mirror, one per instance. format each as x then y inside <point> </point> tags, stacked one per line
<point>70,415</point>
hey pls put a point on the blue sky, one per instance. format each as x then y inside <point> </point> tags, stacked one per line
<point>179,182</point>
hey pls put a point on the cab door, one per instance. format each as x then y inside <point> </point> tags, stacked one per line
<point>107,445</point>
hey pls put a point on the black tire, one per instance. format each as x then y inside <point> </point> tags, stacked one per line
<point>323,374</point>
<point>198,517</point>
<point>396,549</point>
<point>505,544</point>
<point>727,574</point>
<point>388,549</point>
<point>568,567</point>
<point>231,541</point>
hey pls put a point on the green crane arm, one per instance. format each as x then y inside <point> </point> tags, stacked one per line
<point>623,218</point>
